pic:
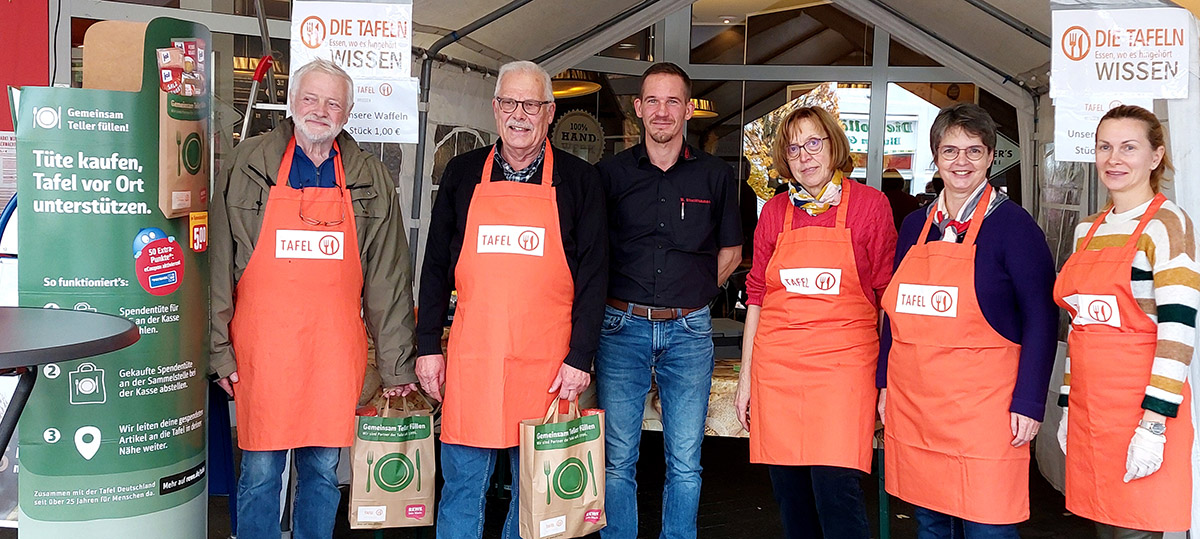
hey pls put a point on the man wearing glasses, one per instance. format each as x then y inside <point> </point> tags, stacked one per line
<point>675,236</point>
<point>307,241</point>
<point>518,229</point>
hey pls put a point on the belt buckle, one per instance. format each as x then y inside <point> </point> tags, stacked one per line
<point>650,313</point>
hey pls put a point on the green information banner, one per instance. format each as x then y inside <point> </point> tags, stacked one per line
<point>112,197</point>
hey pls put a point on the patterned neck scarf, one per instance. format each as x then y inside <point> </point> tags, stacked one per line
<point>829,196</point>
<point>955,229</point>
<point>524,175</point>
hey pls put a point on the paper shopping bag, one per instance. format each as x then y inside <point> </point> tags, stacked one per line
<point>562,474</point>
<point>392,474</point>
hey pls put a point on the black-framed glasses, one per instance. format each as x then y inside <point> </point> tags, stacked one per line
<point>317,222</point>
<point>531,106</point>
<point>812,146</point>
<point>950,153</point>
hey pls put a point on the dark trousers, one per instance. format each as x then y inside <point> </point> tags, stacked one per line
<point>1105,531</point>
<point>934,525</point>
<point>820,502</point>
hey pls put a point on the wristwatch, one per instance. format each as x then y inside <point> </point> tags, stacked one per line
<point>1155,427</point>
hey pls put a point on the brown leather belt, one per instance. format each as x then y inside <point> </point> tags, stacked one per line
<point>650,313</point>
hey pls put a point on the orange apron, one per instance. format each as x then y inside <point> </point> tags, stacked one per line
<point>812,380</point>
<point>1112,346</point>
<point>512,326</point>
<point>948,440</point>
<point>297,328</point>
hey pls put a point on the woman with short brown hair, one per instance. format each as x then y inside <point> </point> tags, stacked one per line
<point>822,257</point>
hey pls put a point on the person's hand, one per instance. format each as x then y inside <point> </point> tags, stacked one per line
<point>881,406</point>
<point>1062,432</point>
<point>431,372</point>
<point>1023,428</point>
<point>1145,454</point>
<point>570,382</point>
<point>399,391</point>
<point>227,382</point>
<point>741,404</point>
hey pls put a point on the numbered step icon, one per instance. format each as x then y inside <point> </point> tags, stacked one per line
<point>87,385</point>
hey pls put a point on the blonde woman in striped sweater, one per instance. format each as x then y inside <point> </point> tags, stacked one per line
<point>1132,289</point>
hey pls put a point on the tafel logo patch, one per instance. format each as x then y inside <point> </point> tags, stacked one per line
<point>1095,309</point>
<point>927,300</point>
<point>811,280</point>
<point>309,244</point>
<point>518,240</point>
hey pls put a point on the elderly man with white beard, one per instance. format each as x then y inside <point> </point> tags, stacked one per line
<point>307,244</point>
<point>518,229</point>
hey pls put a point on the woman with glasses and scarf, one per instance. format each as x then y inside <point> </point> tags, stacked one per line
<point>822,258</point>
<point>968,345</point>
<point>1132,288</point>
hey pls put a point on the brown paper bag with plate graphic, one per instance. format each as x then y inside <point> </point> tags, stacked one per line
<point>562,474</point>
<point>393,474</point>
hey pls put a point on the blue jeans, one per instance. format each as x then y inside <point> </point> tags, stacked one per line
<point>679,353</point>
<point>467,471</point>
<point>934,525</point>
<point>317,495</point>
<point>820,502</point>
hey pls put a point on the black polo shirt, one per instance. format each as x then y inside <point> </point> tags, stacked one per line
<point>581,220</point>
<point>665,228</point>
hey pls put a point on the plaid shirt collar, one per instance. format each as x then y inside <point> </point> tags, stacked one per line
<point>524,175</point>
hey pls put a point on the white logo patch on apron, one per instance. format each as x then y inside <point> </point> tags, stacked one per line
<point>811,280</point>
<point>517,240</point>
<point>927,300</point>
<point>308,244</point>
<point>1094,309</point>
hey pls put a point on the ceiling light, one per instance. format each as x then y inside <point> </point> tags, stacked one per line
<point>727,19</point>
<point>574,83</point>
<point>704,108</point>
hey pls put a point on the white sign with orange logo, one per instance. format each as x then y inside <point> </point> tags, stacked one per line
<point>373,43</point>
<point>1121,52</point>
<point>1095,309</point>
<point>308,244</point>
<point>927,300</point>
<point>517,240</point>
<point>811,280</point>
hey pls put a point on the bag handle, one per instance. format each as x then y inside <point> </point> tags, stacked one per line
<point>387,405</point>
<point>554,415</point>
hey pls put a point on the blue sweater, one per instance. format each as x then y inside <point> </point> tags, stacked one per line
<point>1014,282</point>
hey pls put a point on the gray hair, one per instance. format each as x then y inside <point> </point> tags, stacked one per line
<point>321,65</point>
<point>528,68</point>
<point>969,117</point>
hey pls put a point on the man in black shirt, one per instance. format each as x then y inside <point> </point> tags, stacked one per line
<point>674,236</point>
<point>518,229</point>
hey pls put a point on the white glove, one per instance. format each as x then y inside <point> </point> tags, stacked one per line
<point>1145,454</point>
<point>1062,431</point>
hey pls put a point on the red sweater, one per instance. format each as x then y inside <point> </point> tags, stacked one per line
<point>872,233</point>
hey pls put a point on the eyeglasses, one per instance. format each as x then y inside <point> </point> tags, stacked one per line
<point>812,146</point>
<point>950,153</point>
<point>317,222</point>
<point>531,107</point>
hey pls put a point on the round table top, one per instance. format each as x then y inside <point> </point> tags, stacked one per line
<point>32,336</point>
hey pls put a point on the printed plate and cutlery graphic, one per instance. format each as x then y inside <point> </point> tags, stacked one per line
<point>394,472</point>
<point>570,478</point>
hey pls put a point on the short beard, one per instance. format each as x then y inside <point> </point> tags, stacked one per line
<point>317,138</point>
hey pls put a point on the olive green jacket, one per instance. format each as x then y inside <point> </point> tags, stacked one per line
<point>235,218</point>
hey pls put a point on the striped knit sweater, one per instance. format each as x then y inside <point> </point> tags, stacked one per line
<point>1166,283</point>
